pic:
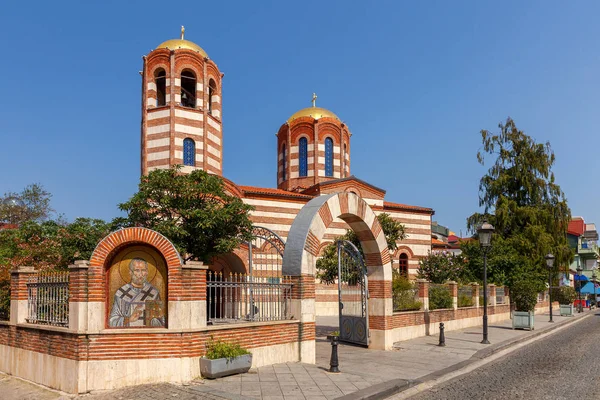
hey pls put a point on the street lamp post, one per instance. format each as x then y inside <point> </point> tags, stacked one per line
<point>550,264</point>
<point>485,239</point>
<point>579,271</point>
<point>594,283</point>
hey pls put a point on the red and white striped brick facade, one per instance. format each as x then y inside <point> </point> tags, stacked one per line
<point>165,126</point>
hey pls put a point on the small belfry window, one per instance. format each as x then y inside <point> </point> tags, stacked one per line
<point>284,155</point>
<point>188,88</point>
<point>328,157</point>
<point>303,153</point>
<point>403,264</point>
<point>189,152</point>
<point>160,79</point>
<point>344,161</point>
<point>212,90</point>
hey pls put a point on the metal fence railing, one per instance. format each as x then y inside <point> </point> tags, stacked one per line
<point>500,299</point>
<point>465,296</point>
<point>48,298</point>
<point>243,298</point>
<point>406,299</point>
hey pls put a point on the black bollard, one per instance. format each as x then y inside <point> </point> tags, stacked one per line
<point>333,363</point>
<point>442,337</point>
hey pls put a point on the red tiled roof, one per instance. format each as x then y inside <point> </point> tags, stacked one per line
<point>387,204</point>
<point>274,192</point>
<point>438,243</point>
<point>576,226</point>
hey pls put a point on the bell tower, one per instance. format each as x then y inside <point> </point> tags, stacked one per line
<point>181,109</point>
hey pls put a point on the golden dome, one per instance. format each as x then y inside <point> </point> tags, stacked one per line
<point>181,43</point>
<point>315,112</point>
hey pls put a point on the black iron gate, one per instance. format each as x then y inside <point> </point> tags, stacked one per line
<point>353,294</point>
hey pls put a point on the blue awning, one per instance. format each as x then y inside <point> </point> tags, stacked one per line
<point>580,277</point>
<point>588,288</point>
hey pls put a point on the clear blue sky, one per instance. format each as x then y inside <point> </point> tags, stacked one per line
<point>415,82</point>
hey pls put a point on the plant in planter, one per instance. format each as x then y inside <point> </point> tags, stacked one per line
<point>565,295</point>
<point>524,294</point>
<point>224,359</point>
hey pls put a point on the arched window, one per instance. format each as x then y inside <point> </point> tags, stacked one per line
<point>403,264</point>
<point>328,157</point>
<point>344,161</point>
<point>303,151</point>
<point>284,155</point>
<point>188,88</point>
<point>212,90</point>
<point>189,152</point>
<point>160,79</point>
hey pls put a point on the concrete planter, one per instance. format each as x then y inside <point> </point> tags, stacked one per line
<point>523,320</point>
<point>566,310</point>
<point>222,366</point>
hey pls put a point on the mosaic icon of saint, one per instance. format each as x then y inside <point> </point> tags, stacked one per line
<point>137,303</point>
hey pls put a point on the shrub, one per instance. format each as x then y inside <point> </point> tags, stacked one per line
<point>404,293</point>
<point>465,300</point>
<point>219,349</point>
<point>564,295</point>
<point>524,293</point>
<point>439,297</point>
<point>4,300</point>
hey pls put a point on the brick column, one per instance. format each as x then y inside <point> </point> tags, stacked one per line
<point>303,309</point>
<point>453,286</point>
<point>190,311</point>
<point>506,295</point>
<point>475,293</point>
<point>79,314</point>
<point>492,295</point>
<point>423,286</point>
<point>18,294</point>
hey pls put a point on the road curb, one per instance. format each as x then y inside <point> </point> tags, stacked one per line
<point>386,389</point>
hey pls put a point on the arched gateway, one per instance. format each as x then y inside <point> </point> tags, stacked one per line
<point>301,252</point>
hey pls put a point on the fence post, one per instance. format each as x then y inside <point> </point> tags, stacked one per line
<point>453,287</point>
<point>18,294</point>
<point>423,293</point>
<point>79,313</point>
<point>475,293</point>
<point>191,313</point>
<point>492,295</point>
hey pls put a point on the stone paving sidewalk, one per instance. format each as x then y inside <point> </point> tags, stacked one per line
<point>374,370</point>
<point>364,372</point>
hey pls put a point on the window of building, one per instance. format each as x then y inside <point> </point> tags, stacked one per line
<point>328,157</point>
<point>189,152</point>
<point>283,166</point>
<point>344,162</point>
<point>303,153</point>
<point>188,88</point>
<point>212,90</point>
<point>403,264</point>
<point>160,79</point>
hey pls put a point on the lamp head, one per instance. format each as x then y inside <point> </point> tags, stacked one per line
<point>549,260</point>
<point>485,234</point>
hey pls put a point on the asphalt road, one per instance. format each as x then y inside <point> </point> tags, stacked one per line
<point>564,365</point>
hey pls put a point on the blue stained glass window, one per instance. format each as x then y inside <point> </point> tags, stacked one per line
<point>189,152</point>
<point>328,157</point>
<point>283,163</point>
<point>303,150</point>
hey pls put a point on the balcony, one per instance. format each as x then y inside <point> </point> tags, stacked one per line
<point>590,248</point>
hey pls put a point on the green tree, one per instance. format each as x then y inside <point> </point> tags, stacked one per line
<point>192,210</point>
<point>524,203</point>
<point>443,267</point>
<point>327,265</point>
<point>32,204</point>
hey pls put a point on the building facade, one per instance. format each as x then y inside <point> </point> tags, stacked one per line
<point>182,124</point>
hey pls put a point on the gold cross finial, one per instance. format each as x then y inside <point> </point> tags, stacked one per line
<point>182,31</point>
<point>314,100</point>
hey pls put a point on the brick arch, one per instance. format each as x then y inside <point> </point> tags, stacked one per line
<point>403,249</point>
<point>302,249</point>
<point>108,247</point>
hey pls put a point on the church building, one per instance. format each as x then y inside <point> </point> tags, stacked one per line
<point>182,124</point>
